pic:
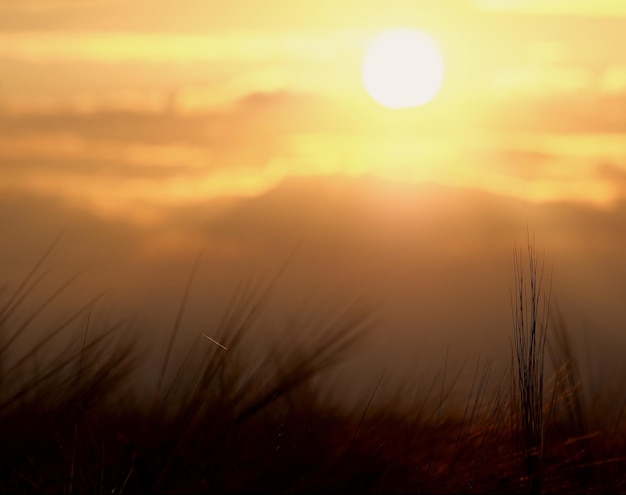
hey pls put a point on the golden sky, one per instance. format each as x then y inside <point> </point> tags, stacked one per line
<point>129,106</point>
<point>150,129</point>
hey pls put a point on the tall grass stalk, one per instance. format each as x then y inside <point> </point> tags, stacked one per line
<point>530,302</point>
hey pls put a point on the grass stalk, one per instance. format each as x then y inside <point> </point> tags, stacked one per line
<point>530,313</point>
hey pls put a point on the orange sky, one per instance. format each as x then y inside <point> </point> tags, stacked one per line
<point>275,91</point>
<point>150,129</point>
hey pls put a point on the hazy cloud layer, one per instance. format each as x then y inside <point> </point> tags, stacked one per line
<point>599,8</point>
<point>137,165</point>
<point>48,5</point>
<point>435,261</point>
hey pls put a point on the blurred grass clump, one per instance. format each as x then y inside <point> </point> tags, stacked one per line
<point>229,419</point>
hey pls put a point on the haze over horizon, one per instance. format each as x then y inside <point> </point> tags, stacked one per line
<point>434,262</point>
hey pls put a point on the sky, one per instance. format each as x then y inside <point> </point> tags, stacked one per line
<point>151,130</point>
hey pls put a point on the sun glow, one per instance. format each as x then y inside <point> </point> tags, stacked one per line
<point>402,68</point>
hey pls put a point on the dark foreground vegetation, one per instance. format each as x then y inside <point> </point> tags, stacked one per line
<point>71,422</point>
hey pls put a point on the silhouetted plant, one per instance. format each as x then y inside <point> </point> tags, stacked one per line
<point>531,314</point>
<point>233,419</point>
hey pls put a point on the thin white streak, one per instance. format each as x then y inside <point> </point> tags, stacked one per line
<point>215,342</point>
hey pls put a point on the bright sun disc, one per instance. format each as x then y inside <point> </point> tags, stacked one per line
<point>402,68</point>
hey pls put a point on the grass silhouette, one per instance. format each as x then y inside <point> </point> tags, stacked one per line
<point>531,313</point>
<point>232,421</point>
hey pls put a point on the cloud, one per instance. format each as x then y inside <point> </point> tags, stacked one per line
<point>529,165</point>
<point>612,172</point>
<point>583,8</point>
<point>138,194</point>
<point>151,48</point>
<point>50,5</point>
<point>138,165</point>
<point>558,81</point>
<point>538,80</point>
<point>563,113</point>
<point>69,147</point>
<point>613,80</point>
<point>134,164</point>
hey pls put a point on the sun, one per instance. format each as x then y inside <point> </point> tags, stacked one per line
<point>402,68</point>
